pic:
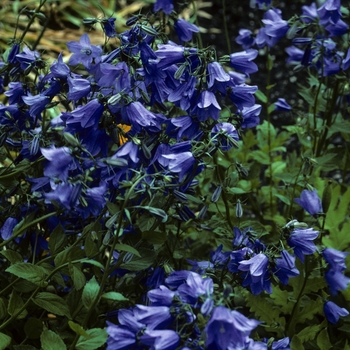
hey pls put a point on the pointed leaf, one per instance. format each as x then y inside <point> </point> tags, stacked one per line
<point>98,337</point>
<point>52,303</point>
<point>51,341</point>
<point>90,292</point>
<point>114,296</point>
<point>12,256</point>
<point>127,248</point>
<point>78,329</point>
<point>58,240</point>
<point>33,273</point>
<point>5,341</point>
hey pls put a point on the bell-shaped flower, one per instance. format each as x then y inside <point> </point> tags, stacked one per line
<point>15,93</point>
<point>59,69</point>
<point>160,339</point>
<point>136,115</point>
<point>37,103</point>
<point>109,27</point>
<point>285,267</point>
<point>225,134</point>
<point>207,107</point>
<point>250,116</point>
<point>243,95</point>
<point>329,12</point>
<point>165,5</point>
<point>84,117</point>
<point>27,57</point>
<point>161,296</point>
<point>275,26</point>
<point>78,88</point>
<point>336,281</point>
<point>309,13</point>
<point>335,258</point>
<point>216,73</point>
<point>84,52</point>
<point>153,316</point>
<point>282,105</point>
<point>185,30</point>
<point>60,161</point>
<point>181,163</point>
<point>245,39</point>
<point>65,194</point>
<point>333,312</point>
<point>301,240</point>
<point>228,329</point>
<point>338,29</point>
<point>310,201</point>
<point>7,228</point>
<point>242,61</point>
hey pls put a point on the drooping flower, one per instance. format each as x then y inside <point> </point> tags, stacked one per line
<point>309,13</point>
<point>282,105</point>
<point>335,258</point>
<point>165,5</point>
<point>84,52</point>
<point>301,240</point>
<point>242,61</point>
<point>275,26</point>
<point>310,201</point>
<point>245,39</point>
<point>59,69</point>
<point>336,281</point>
<point>60,161</point>
<point>207,106</point>
<point>78,88</point>
<point>160,339</point>
<point>285,267</point>
<point>37,103</point>
<point>136,115</point>
<point>185,30</point>
<point>7,228</point>
<point>227,329</point>
<point>109,27</point>
<point>329,12</point>
<point>65,194</point>
<point>225,134</point>
<point>257,276</point>
<point>333,312</point>
<point>216,73</point>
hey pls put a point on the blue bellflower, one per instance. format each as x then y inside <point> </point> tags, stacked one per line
<point>227,329</point>
<point>84,52</point>
<point>185,30</point>
<point>301,240</point>
<point>329,12</point>
<point>225,134</point>
<point>285,267</point>
<point>242,61</point>
<point>165,5</point>
<point>333,312</point>
<point>282,105</point>
<point>7,228</point>
<point>310,202</point>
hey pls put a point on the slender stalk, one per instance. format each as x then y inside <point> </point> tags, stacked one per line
<point>228,42</point>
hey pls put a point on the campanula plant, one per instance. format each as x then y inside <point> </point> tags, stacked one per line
<point>148,201</point>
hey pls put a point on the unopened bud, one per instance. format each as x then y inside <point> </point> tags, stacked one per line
<point>239,209</point>
<point>216,195</point>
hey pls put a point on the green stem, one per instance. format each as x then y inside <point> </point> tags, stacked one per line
<point>109,260</point>
<point>228,43</point>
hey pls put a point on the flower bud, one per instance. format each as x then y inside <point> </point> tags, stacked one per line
<point>216,195</point>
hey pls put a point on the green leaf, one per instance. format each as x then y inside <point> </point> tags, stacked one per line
<point>309,333</point>
<point>69,254</point>
<point>51,341</point>
<point>77,276</point>
<point>58,240</point>
<point>261,96</point>
<point>311,308</point>
<point>98,337</point>
<point>323,341</point>
<point>90,246</point>
<point>3,308</point>
<point>33,273</point>
<point>15,304</point>
<point>90,292</point>
<point>138,264</point>
<point>281,298</point>
<point>24,347</point>
<point>127,248</point>
<point>296,343</point>
<point>260,156</point>
<point>52,303</point>
<point>78,329</point>
<point>114,296</point>
<point>92,262</point>
<point>5,341</point>
<point>154,237</point>
<point>12,256</point>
